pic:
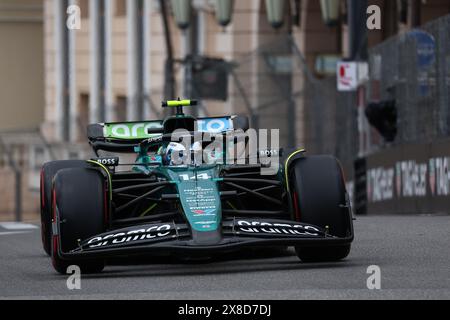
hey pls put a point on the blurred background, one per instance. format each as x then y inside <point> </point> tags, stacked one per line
<point>365,80</point>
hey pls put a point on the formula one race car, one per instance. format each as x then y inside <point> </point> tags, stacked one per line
<point>190,199</point>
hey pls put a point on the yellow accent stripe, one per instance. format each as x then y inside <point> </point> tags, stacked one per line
<point>177,103</point>
<point>107,172</point>
<point>232,207</point>
<point>148,210</point>
<point>286,166</point>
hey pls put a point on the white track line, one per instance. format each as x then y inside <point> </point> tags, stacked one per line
<point>17,226</point>
<point>12,232</point>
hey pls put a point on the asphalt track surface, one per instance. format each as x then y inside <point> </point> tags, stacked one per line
<point>413,253</point>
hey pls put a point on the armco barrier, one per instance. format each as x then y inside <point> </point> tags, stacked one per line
<point>411,178</point>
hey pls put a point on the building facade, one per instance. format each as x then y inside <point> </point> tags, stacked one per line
<point>116,58</point>
<point>21,99</point>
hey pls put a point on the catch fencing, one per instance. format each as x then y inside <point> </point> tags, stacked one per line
<point>278,90</point>
<point>414,70</point>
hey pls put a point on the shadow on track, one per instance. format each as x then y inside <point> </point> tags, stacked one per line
<point>248,260</point>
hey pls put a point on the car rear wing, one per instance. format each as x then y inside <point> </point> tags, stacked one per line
<point>124,136</point>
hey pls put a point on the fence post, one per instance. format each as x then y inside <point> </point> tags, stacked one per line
<point>18,194</point>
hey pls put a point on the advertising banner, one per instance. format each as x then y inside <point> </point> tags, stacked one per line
<point>408,179</point>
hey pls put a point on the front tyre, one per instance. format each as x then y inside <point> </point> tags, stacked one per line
<point>320,199</point>
<point>48,172</point>
<point>79,208</point>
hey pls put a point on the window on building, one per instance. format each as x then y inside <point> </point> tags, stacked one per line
<point>121,8</point>
<point>121,108</point>
<point>83,115</point>
<point>403,11</point>
<point>84,8</point>
<point>18,152</point>
<point>39,157</point>
<point>3,160</point>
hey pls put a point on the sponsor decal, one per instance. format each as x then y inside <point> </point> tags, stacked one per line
<point>205,224</point>
<point>200,176</point>
<point>156,158</point>
<point>155,139</point>
<point>107,161</point>
<point>204,212</point>
<point>442,176</point>
<point>200,200</point>
<point>380,184</point>
<point>398,179</point>
<point>214,125</point>
<point>255,227</point>
<point>432,176</point>
<point>131,235</point>
<point>409,178</point>
<point>269,153</point>
<point>414,179</point>
<point>138,130</point>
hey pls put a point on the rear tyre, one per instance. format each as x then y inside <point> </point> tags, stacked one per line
<point>79,210</point>
<point>320,199</point>
<point>48,172</point>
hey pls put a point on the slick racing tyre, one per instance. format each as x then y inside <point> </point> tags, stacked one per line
<point>48,172</point>
<point>79,208</point>
<point>320,199</point>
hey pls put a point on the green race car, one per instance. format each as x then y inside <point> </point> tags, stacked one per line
<point>189,199</point>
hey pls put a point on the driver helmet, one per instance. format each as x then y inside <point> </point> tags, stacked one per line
<point>169,156</point>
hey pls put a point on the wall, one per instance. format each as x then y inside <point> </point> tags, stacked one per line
<point>413,178</point>
<point>21,64</point>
